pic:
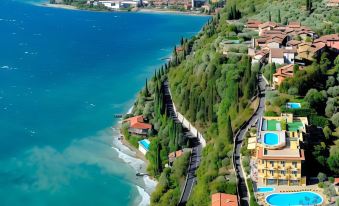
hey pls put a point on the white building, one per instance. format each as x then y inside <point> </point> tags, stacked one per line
<point>282,56</point>
<point>111,4</point>
<point>289,55</point>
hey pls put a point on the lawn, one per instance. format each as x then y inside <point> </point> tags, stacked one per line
<point>294,126</point>
<point>272,125</point>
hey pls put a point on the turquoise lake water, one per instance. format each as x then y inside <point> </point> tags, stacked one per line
<point>63,75</point>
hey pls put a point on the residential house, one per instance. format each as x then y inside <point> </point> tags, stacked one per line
<point>174,155</point>
<point>276,56</point>
<point>111,4</point>
<point>293,44</point>
<point>331,41</point>
<point>222,199</point>
<point>280,162</point>
<point>144,146</point>
<point>253,24</point>
<point>309,51</point>
<point>332,3</point>
<point>289,55</point>
<point>138,126</point>
<point>267,26</point>
<point>274,42</point>
<point>282,73</point>
<point>260,56</point>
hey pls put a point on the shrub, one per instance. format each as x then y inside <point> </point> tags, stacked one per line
<point>319,120</point>
<point>321,177</point>
<point>335,119</point>
<point>321,185</point>
<point>271,114</point>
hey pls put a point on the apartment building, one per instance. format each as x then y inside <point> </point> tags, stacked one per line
<point>279,156</point>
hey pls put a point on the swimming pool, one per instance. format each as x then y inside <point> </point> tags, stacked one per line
<point>294,198</point>
<point>145,143</point>
<point>293,105</point>
<point>265,189</point>
<point>271,139</point>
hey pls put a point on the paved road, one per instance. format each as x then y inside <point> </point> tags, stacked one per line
<point>242,189</point>
<point>196,149</point>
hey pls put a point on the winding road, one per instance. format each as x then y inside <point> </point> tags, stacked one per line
<point>195,144</point>
<point>239,137</point>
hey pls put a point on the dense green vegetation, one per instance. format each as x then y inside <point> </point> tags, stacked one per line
<point>167,192</point>
<point>312,13</point>
<point>165,137</point>
<point>211,90</point>
<point>214,92</point>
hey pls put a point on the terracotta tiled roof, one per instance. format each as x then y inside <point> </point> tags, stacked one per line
<point>175,154</point>
<point>268,24</point>
<point>222,199</point>
<point>261,40</point>
<point>294,24</point>
<point>293,42</point>
<point>317,46</point>
<point>277,53</point>
<point>336,181</point>
<point>285,71</point>
<point>331,37</point>
<point>253,23</point>
<point>137,122</point>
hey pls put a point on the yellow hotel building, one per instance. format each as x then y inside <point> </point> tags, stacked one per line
<point>278,153</point>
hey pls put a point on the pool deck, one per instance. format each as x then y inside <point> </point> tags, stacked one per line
<point>261,197</point>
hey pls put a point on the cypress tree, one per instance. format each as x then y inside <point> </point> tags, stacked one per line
<point>269,16</point>
<point>229,131</point>
<point>158,158</point>
<point>146,89</point>
<point>279,17</point>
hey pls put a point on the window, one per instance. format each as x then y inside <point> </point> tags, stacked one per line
<point>294,164</point>
<point>272,163</point>
<point>283,163</point>
<point>283,172</point>
<point>295,173</point>
<point>271,172</point>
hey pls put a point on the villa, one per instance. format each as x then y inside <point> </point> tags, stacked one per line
<point>282,56</point>
<point>279,155</point>
<point>138,126</point>
<point>222,199</point>
<point>282,73</point>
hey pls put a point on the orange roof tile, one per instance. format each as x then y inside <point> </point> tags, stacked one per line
<point>137,122</point>
<point>222,199</point>
<point>268,24</point>
<point>277,53</point>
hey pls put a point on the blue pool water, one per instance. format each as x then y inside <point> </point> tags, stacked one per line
<point>271,139</point>
<point>63,75</point>
<point>145,143</point>
<point>265,189</point>
<point>296,198</point>
<point>293,105</point>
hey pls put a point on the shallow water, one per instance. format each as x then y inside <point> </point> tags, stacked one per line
<point>63,75</point>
